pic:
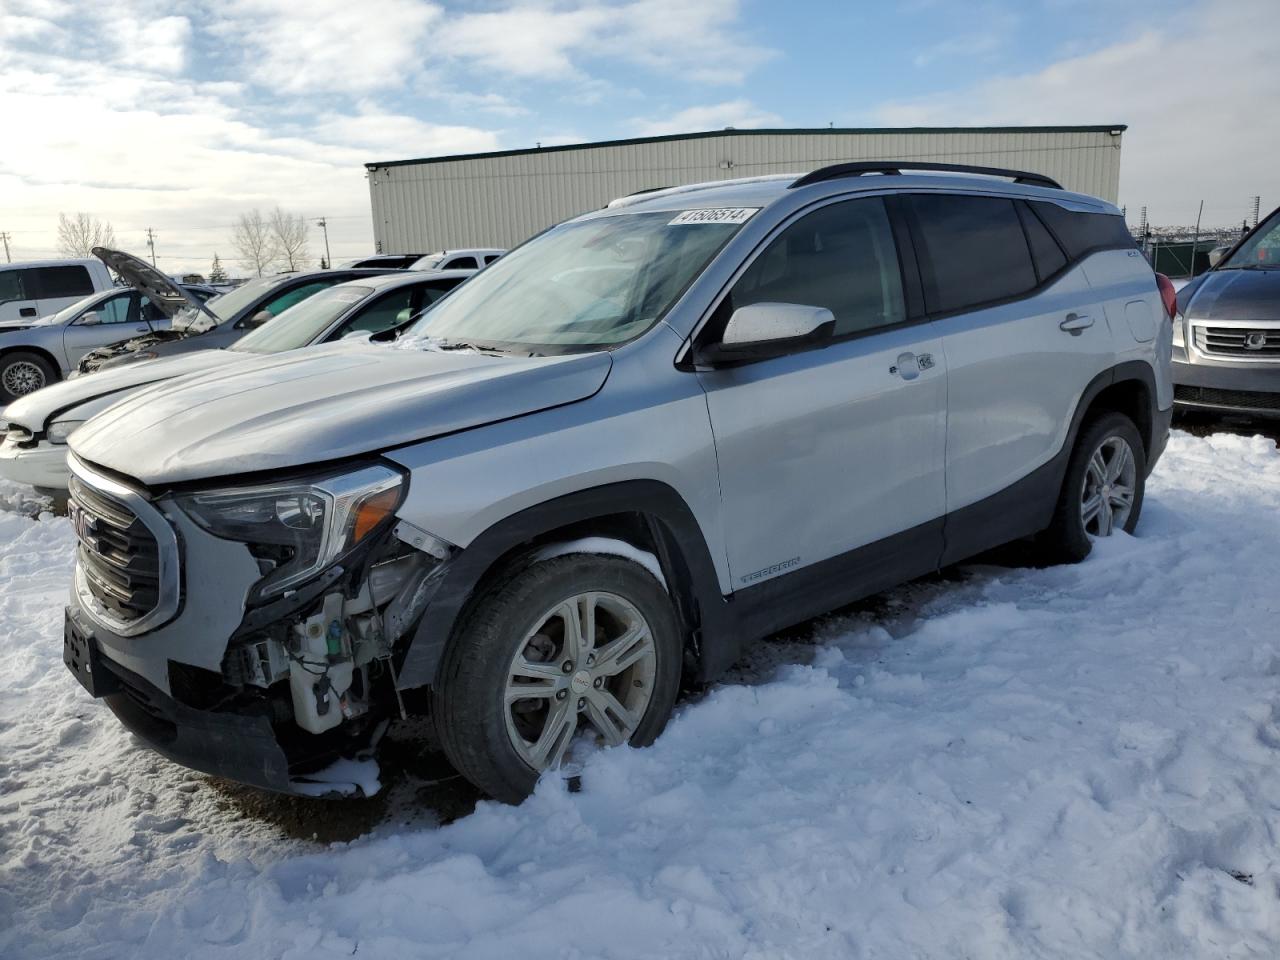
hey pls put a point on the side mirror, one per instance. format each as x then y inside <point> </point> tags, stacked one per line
<point>259,318</point>
<point>90,319</point>
<point>762,330</point>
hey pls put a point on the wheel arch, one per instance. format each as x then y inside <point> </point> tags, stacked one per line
<point>647,514</point>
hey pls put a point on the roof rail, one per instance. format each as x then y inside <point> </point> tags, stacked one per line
<point>894,167</point>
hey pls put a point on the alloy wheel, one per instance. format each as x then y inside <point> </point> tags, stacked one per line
<point>1110,485</point>
<point>590,661</point>
<point>22,377</point>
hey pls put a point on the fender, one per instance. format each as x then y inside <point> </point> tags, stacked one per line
<point>677,542</point>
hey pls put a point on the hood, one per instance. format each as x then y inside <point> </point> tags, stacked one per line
<point>34,410</point>
<point>1235,295</point>
<point>168,296</point>
<point>320,404</point>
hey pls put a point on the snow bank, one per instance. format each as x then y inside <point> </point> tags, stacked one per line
<point>1014,763</point>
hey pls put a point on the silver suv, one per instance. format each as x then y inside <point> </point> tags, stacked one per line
<point>606,462</point>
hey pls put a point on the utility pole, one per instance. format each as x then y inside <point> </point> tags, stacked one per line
<point>1195,242</point>
<point>328,261</point>
<point>5,238</point>
<point>151,242</point>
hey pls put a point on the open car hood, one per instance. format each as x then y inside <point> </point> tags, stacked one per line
<point>322,404</point>
<point>168,296</point>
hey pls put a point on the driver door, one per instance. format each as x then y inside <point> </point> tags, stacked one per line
<point>118,319</point>
<point>834,453</point>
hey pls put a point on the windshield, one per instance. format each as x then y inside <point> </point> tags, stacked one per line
<point>302,323</point>
<point>1259,252</point>
<point>226,306</point>
<point>588,285</point>
<point>430,262</point>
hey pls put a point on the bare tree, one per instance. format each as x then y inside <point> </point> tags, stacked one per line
<point>78,235</point>
<point>254,241</point>
<point>290,235</point>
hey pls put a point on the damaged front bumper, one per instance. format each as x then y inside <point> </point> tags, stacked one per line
<point>291,695</point>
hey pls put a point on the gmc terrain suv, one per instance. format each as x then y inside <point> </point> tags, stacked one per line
<point>608,460</point>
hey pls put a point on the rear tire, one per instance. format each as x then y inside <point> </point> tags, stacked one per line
<point>592,640</point>
<point>23,372</point>
<point>1101,492</point>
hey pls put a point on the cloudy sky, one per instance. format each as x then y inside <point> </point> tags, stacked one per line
<point>181,116</point>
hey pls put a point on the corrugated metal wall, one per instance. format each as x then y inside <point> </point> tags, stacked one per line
<point>503,199</point>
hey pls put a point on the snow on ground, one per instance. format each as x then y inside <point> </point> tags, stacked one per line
<point>1006,763</point>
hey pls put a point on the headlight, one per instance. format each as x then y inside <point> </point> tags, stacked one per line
<point>61,429</point>
<point>1179,323</point>
<point>299,528</point>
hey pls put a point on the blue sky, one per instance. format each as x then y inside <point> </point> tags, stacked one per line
<point>181,116</point>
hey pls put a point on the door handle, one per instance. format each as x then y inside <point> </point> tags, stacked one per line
<point>1076,323</point>
<point>26,311</point>
<point>908,365</point>
<point>142,329</point>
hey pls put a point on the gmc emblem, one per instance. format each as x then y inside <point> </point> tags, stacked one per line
<point>85,526</point>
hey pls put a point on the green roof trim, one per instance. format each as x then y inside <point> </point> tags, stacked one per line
<point>784,131</point>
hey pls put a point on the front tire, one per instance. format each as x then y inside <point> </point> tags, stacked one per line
<point>582,644</point>
<point>1102,491</point>
<point>23,372</point>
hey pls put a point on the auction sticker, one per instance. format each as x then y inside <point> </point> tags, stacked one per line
<point>715,215</point>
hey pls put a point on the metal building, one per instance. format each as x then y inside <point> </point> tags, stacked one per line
<point>500,199</point>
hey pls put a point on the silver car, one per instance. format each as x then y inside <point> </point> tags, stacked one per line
<point>596,470</point>
<point>33,447</point>
<point>39,351</point>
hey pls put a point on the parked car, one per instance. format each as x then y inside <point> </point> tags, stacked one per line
<point>469,259</point>
<point>39,288</point>
<point>41,351</point>
<point>386,261</point>
<point>34,447</point>
<point>1226,347</point>
<point>219,322</point>
<point>639,440</point>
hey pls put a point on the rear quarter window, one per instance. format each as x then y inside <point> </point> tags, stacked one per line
<point>56,282</point>
<point>1083,233</point>
<point>11,286</point>
<point>974,249</point>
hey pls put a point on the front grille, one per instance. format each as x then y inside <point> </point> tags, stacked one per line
<point>1260,343</point>
<point>1238,399</point>
<point>119,556</point>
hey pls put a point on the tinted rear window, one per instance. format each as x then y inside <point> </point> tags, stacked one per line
<point>11,285</point>
<point>462,263</point>
<point>52,282</point>
<point>1046,253</point>
<point>976,248</point>
<point>1083,233</point>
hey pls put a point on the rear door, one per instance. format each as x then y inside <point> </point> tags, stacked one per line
<point>828,450</point>
<point>17,296</point>
<point>1022,337</point>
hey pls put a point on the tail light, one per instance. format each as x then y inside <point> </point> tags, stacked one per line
<point>1168,294</point>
